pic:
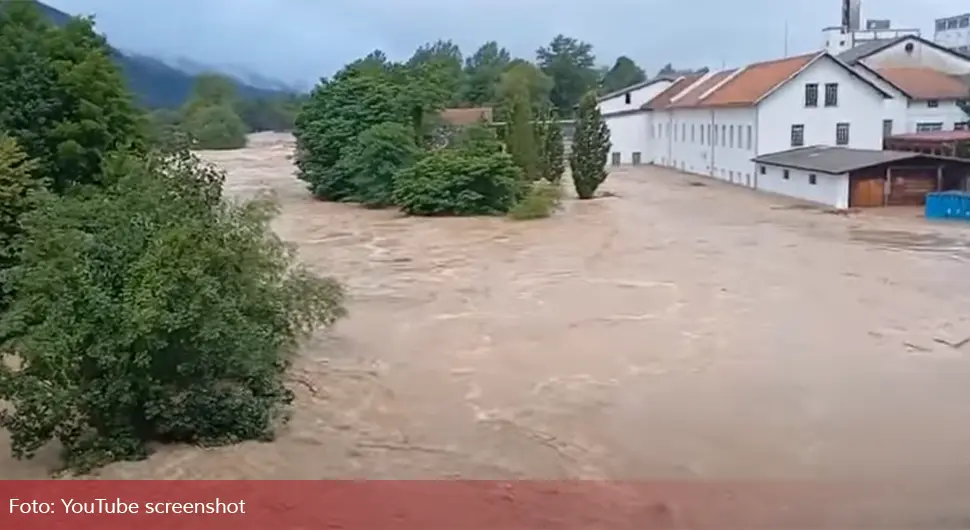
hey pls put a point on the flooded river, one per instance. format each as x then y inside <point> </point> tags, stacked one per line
<point>669,330</point>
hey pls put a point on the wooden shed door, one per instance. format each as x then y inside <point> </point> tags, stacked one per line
<point>866,192</point>
<point>909,188</point>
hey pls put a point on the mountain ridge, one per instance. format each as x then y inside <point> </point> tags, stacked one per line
<point>158,84</point>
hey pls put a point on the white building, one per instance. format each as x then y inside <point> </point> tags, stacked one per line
<point>838,39</point>
<point>953,32</point>
<point>714,124</point>
<point>905,52</point>
<point>625,117</point>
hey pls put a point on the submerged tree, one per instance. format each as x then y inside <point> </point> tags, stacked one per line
<point>590,149</point>
<point>151,312</point>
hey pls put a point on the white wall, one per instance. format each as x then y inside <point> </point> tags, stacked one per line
<point>628,133</point>
<point>830,190</point>
<point>859,105</point>
<point>628,124</point>
<point>922,55</point>
<point>637,98</point>
<point>946,112</point>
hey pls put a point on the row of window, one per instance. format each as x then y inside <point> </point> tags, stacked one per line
<point>831,94</point>
<point>741,137</point>
<point>841,134</point>
<point>962,21</point>
<point>812,179</point>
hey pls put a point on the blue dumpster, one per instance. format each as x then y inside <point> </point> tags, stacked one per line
<point>948,205</point>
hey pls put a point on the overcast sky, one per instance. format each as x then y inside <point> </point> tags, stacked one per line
<point>301,40</point>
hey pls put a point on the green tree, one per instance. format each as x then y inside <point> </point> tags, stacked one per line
<point>19,194</point>
<point>591,146</point>
<point>375,157</point>
<point>337,112</point>
<point>550,147</point>
<point>211,90</point>
<point>523,75</point>
<point>61,96</point>
<point>267,114</point>
<point>519,135</point>
<point>571,65</point>
<point>153,312</point>
<point>483,70</point>
<point>624,73</point>
<point>355,100</point>
<point>478,139</point>
<point>215,127</point>
<point>450,182</point>
<point>444,57</point>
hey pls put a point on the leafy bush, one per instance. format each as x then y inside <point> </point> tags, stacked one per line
<point>153,311</point>
<point>478,139</point>
<point>216,127</point>
<point>374,158</point>
<point>542,199</point>
<point>452,183</point>
<point>591,146</point>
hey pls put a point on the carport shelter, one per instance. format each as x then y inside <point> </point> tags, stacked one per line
<point>854,178</point>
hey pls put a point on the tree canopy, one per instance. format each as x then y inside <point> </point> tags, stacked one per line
<point>624,73</point>
<point>570,64</point>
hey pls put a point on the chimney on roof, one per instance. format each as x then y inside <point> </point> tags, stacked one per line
<point>851,15</point>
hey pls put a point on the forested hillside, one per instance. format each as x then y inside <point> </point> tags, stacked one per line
<point>154,83</point>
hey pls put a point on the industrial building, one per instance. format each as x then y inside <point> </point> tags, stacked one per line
<point>721,123</point>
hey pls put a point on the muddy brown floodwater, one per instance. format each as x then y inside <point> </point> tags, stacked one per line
<point>680,328</point>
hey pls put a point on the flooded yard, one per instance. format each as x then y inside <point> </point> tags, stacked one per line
<point>669,330</point>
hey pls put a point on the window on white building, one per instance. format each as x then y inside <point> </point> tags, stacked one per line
<point>702,134</point>
<point>964,21</point>
<point>887,128</point>
<point>731,136</point>
<point>723,135</point>
<point>811,94</point>
<point>940,25</point>
<point>961,126</point>
<point>811,178</point>
<point>831,94</point>
<point>951,24</point>
<point>784,174</point>
<point>693,138</point>
<point>932,103</point>
<point>841,134</point>
<point>929,127</point>
<point>761,169</point>
<point>797,135</point>
<point>749,138</point>
<point>712,134</point>
<point>627,98</point>
<point>683,132</point>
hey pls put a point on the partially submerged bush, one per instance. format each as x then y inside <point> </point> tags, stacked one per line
<point>453,183</point>
<point>374,158</point>
<point>216,127</point>
<point>542,199</point>
<point>153,311</point>
<point>477,139</point>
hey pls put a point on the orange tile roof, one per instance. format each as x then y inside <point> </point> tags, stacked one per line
<point>925,83</point>
<point>692,98</point>
<point>755,81</point>
<point>457,116</point>
<point>661,100</point>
